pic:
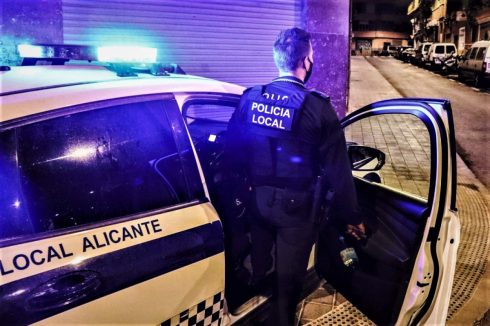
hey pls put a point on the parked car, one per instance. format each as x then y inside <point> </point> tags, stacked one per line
<point>114,207</point>
<point>392,50</point>
<point>421,54</point>
<point>407,55</point>
<point>437,52</point>
<point>399,51</point>
<point>450,64</point>
<point>475,64</point>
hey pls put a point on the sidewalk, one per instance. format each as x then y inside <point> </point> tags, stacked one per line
<point>470,297</point>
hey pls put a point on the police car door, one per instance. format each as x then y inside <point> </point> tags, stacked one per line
<point>104,219</point>
<point>207,117</point>
<point>404,269</point>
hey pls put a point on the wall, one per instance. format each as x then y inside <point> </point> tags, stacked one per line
<point>30,21</point>
<point>329,23</point>
<point>41,21</point>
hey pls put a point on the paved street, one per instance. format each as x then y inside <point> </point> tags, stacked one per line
<point>406,169</point>
<point>471,107</point>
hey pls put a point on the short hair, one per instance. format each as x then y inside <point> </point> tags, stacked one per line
<point>290,48</point>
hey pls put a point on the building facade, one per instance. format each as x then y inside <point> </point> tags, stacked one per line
<point>377,24</point>
<point>461,22</point>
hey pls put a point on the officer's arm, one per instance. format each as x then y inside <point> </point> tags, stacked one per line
<point>334,158</point>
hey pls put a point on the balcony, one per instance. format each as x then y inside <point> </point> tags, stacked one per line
<point>413,6</point>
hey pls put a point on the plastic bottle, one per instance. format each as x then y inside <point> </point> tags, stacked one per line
<point>348,254</point>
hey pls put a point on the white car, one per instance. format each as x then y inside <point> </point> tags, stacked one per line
<point>114,210</point>
<point>438,52</point>
<point>476,63</point>
<point>421,54</point>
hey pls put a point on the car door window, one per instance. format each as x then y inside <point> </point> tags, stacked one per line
<point>473,53</point>
<point>206,117</point>
<point>439,49</point>
<point>92,166</point>
<point>450,48</point>
<point>405,141</point>
<point>480,54</point>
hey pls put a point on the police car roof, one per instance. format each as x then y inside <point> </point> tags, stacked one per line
<point>33,89</point>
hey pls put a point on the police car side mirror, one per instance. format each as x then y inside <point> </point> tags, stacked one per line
<point>364,158</point>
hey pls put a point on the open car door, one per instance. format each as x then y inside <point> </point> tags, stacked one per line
<point>404,269</point>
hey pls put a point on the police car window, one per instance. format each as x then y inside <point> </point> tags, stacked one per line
<point>88,167</point>
<point>210,111</point>
<point>450,48</point>
<point>439,49</point>
<point>207,117</point>
<point>405,141</point>
<point>480,54</point>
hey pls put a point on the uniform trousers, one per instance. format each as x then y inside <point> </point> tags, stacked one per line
<point>282,217</point>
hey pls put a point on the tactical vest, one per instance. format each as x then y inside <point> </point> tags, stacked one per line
<point>277,154</point>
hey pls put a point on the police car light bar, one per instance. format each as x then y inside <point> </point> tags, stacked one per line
<point>127,54</point>
<point>30,51</point>
<point>54,53</point>
<point>124,60</point>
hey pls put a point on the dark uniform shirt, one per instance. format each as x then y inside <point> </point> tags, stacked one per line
<point>324,148</point>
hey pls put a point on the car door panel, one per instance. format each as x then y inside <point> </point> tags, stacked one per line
<point>108,218</point>
<point>207,117</point>
<point>401,264</point>
<point>105,271</point>
<point>393,231</point>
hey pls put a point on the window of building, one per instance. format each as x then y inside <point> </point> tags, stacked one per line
<point>385,8</point>
<point>360,8</point>
<point>92,166</point>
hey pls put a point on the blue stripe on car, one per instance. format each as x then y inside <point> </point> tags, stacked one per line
<point>40,296</point>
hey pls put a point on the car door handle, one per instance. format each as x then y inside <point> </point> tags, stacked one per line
<point>63,290</point>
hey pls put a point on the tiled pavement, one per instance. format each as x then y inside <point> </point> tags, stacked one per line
<point>405,143</point>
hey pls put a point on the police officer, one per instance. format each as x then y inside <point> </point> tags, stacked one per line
<point>286,135</point>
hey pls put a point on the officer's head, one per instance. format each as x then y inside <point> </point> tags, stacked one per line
<point>293,52</point>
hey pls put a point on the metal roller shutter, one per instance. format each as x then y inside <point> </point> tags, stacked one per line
<point>226,40</point>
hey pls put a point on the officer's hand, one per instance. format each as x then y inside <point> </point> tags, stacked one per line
<point>357,231</point>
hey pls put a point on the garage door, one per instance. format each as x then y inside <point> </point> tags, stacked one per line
<point>226,40</point>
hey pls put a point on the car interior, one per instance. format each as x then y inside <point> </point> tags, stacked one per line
<point>394,221</point>
<point>377,285</point>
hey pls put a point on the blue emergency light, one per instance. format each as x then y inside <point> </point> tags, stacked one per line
<point>30,51</point>
<point>127,54</point>
<point>124,60</point>
<point>57,54</point>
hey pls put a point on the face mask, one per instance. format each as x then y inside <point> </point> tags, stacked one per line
<point>308,72</point>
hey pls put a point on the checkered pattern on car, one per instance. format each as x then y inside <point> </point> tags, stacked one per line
<point>207,312</point>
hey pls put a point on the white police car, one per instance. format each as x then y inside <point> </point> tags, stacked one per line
<point>111,182</point>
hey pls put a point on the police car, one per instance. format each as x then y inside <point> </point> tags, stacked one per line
<point>115,208</point>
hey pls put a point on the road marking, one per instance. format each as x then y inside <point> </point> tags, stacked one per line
<point>475,89</point>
